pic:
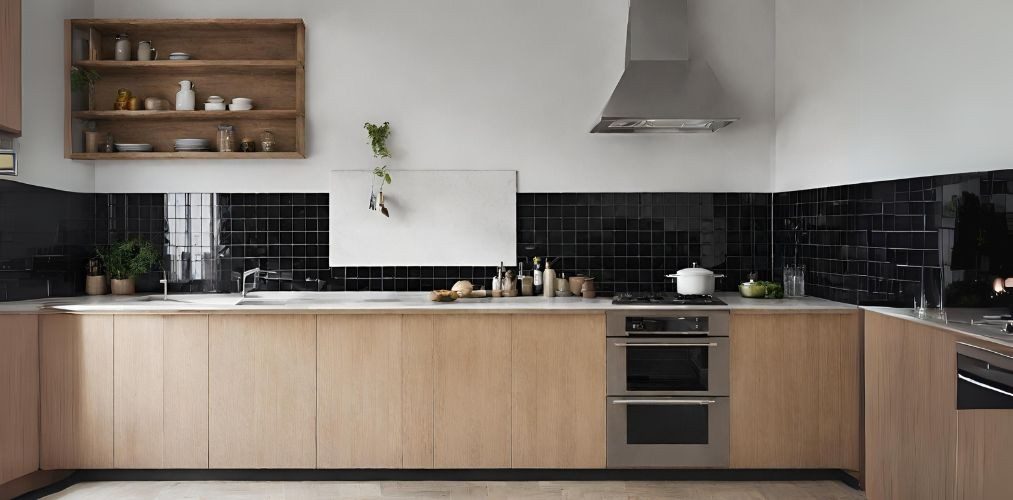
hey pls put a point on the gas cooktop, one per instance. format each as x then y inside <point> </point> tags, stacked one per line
<point>665,299</point>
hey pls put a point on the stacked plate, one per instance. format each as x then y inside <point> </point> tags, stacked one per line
<point>179,56</point>
<point>192,145</point>
<point>134,148</point>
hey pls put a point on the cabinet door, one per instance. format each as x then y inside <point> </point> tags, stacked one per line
<point>19,396</point>
<point>10,62</point>
<point>77,391</point>
<point>472,392</point>
<point>262,385</point>
<point>359,391</point>
<point>984,452</point>
<point>910,415</point>
<point>795,390</point>
<point>161,392</point>
<point>558,391</point>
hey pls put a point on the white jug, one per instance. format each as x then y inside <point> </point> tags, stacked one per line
<point>186,99</point>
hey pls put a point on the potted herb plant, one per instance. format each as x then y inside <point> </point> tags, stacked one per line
<point>125,260</point>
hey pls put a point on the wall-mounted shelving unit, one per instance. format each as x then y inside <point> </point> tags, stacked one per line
<point>262,59</point>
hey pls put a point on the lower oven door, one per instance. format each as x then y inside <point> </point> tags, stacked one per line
<point>667,432</point>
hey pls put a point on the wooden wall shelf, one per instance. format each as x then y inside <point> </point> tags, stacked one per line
<point>261,59</point>
<point>210,155</point>
<point>253,114</point>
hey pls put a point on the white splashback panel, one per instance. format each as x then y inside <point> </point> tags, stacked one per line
<point>437,218</point>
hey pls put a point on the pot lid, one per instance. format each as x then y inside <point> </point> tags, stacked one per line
<point>694,271</point>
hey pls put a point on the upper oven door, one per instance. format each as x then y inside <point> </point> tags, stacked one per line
<point>672,366</point>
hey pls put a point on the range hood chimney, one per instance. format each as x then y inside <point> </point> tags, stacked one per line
<point>662,89</point>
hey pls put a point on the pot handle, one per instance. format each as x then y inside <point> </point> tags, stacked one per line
<point>672,276</point>
<point>720,276</point>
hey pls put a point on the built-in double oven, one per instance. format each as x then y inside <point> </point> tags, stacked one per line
<point>667,386</point>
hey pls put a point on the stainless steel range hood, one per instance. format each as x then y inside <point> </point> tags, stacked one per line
<point>662,89</point>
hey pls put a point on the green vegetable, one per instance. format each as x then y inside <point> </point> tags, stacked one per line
<point>774,290</point>
<point>382,173</point>
<point>128,259</point>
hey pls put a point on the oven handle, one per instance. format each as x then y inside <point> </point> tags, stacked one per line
<point>660,334</point>
<point>983,385</point>
<point>662,344</point>
<point>683,402</point>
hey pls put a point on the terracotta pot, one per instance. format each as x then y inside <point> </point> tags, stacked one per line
<point>122,287</point>
<point>95,285</point>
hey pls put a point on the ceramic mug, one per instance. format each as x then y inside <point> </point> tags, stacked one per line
<point>145,52</point>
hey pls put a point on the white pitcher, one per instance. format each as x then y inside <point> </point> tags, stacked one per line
<point>186,98</point>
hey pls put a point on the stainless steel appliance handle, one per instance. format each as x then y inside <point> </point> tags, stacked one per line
<point>683,402</point>
<point>661,334</point>
<point>662,344</point>
<point>983,385</point>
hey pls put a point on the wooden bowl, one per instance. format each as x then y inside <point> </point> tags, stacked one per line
<point>443,295</point>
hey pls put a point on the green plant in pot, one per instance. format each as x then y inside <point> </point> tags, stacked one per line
<point>125,261</point>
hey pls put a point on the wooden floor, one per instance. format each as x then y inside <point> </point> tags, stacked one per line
<point>226,490</point>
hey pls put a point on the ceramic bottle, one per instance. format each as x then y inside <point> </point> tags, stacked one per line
<point>548,280</point>
<point>186,98</point>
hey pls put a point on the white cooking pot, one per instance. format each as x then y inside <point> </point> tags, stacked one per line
<point>695,280</point>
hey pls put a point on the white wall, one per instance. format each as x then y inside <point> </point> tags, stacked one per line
<point>485,85</point>
<point>41,159</point>
<point>883,89</point>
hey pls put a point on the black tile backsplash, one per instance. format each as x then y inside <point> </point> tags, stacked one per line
<point>45,239</point>
<point>873,243</point>
<point>877,243</point>
<point>630,241</point>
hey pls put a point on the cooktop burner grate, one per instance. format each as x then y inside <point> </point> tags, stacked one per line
<point>674,299</point>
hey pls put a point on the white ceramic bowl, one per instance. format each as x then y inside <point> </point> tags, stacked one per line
<point>214,106</point>
<point>243,101</point>
<point>237,107</point>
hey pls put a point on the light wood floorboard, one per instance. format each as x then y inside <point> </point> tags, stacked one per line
<point>696,490</point>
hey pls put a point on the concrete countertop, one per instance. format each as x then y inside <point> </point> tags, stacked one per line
<point>966,322</point>
<point>390,302</point>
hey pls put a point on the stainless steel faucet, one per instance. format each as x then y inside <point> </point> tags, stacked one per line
<point>257,274</point>
<point>165,285</point>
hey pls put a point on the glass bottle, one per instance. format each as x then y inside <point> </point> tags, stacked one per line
<point>226,138</point>
<point>267,142</point>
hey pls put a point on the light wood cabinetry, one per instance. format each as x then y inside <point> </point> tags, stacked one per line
<point>472,391</point>
<point>10,67</point>
<point>558,401</point>
<point>19,396</point>
<point>984,452</point>
<point>910,415</point>
<point>795,390</point>
<point>359,390</point>
<point>262,385</point>
<point>161,392</point>
<point>418,375</point>
<point>76,355</point>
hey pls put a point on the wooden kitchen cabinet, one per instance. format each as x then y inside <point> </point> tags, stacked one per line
<point>262,391</point>
<point>558,401</point>
<point>10,67</point>
<point>76,355</point>
<point>359,390</point>
<point>19,396</point>
<point>472,391</point>
<point>161,392</point>
<point>795,390</point>
<point>910,412</point>
<point>984,452</point>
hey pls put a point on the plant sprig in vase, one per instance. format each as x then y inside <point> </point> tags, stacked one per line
<point>378,135</point>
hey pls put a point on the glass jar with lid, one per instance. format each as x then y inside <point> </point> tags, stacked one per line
<point>122,47</point>
<point>226,138</point>
<point>268,144</point>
